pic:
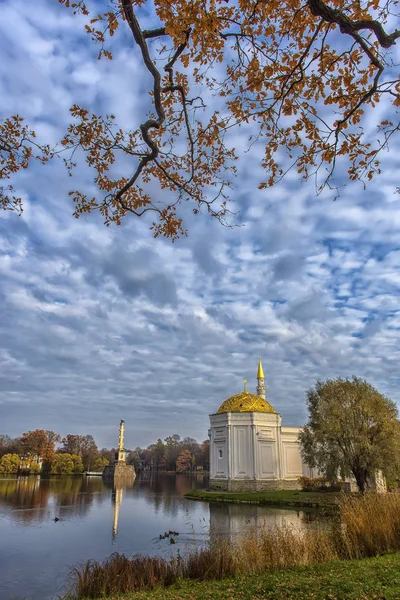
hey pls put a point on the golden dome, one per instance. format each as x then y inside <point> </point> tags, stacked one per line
<point>245,402</point>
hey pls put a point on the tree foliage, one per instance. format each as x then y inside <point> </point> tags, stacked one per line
<point>66,464</point>
<point>39,443</point>
<point>82,445</point>
<point>302,73</point>
<point>9,463</point>
<point>100,463</point>
<point>34,468</point>
<point>185,461</point>
<point>165,456</point>
<point>5,444</point>
<point>352,429</point>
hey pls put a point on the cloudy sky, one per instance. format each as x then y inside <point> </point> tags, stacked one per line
<point>99,324</point>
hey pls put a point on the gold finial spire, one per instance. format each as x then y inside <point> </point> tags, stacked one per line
<point>260,372</point>
<point>245,385</point>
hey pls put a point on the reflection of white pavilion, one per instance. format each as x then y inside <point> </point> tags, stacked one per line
<point>232,521</point>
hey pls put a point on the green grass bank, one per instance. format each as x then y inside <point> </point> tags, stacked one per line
<point>297,498</point>
<point>367,579</point>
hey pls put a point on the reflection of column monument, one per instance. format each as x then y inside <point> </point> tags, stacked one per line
<point>120,470</point>
<point>117,495</point>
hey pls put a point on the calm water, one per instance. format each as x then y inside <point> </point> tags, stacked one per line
<point>96,520</point>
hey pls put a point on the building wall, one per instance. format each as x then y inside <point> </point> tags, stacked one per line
<point>219,463</point>
<point>291,456</point>
<point>253,451</point>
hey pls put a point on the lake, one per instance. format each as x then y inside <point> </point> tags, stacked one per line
<point>95,520</point>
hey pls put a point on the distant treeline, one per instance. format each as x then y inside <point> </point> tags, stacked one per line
<point>174,454</point>
<point>46,451</point>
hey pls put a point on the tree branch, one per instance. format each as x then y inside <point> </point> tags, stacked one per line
<point>332,15</point>
<point>152,33</point>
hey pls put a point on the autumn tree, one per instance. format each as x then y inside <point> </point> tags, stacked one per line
<point>77,464</point>
<point>34,468</point>
<point>302,76</point>
<point>352,429</point>
<point>7,445</point>
<point>107,455</point>
<point>39,443</point>
<point>9,463</point>
<point>184,462</point>
<point>71,444</point>
<point>172,450</point>
<point>52,437</point>
<point>62,464</point>
<point>82,445</point>
<point>135,458</point>
<point>159,458</point>
<point>89,451</point>
<point>66,464</point>
<point>205,455</point>
<point>100,463</point>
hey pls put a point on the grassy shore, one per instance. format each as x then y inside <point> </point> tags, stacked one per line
<point>367,579</point>
<point>324,500</point>
<point>266,562</point>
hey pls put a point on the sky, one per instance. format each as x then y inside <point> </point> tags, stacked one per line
<point>100,324</point>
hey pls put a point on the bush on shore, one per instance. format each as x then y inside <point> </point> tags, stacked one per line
<point>66,464</point>
<point>366,526</point>
<point>9,463</point>
<point>319,484</point>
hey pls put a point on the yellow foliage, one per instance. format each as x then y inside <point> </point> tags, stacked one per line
<point>281,64</point>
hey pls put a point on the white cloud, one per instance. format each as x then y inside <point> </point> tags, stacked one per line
<point>101,323</point>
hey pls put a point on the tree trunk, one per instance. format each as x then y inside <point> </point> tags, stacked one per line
<point>360,476</point>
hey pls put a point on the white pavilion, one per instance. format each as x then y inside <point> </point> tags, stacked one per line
<point>250,450</point>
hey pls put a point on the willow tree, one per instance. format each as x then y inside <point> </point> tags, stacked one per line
<point>352,430</point>
<point>301,74</point>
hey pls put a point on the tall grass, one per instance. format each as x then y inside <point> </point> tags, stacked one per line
<point>369,525</point>
<point>364,526</point>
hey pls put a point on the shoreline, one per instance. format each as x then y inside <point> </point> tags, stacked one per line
<point>284,498</point>
<point>376,577</point>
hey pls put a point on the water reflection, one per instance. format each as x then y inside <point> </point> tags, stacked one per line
<point>232,521</point>
<point>34,499</point>
<point>96,519</point>
<point>165,492</point>
<point>117,496</point>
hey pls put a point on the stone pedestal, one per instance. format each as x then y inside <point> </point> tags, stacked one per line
<point>253,485</point>
<point>119,472</point>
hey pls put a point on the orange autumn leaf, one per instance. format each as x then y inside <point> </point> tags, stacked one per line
<point>299,73</point>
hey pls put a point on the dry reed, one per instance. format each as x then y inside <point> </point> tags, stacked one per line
<point>365,526</point>
<point>369,525</point>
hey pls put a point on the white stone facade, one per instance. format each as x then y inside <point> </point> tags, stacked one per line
<point>251,451</point>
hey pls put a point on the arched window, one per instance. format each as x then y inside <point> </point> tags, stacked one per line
<point>220,453</point>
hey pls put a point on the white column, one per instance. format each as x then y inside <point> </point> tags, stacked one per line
<point>280,473</point>
<point>229,449</point>
<point>212,453</point>
<point>254,449</point>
